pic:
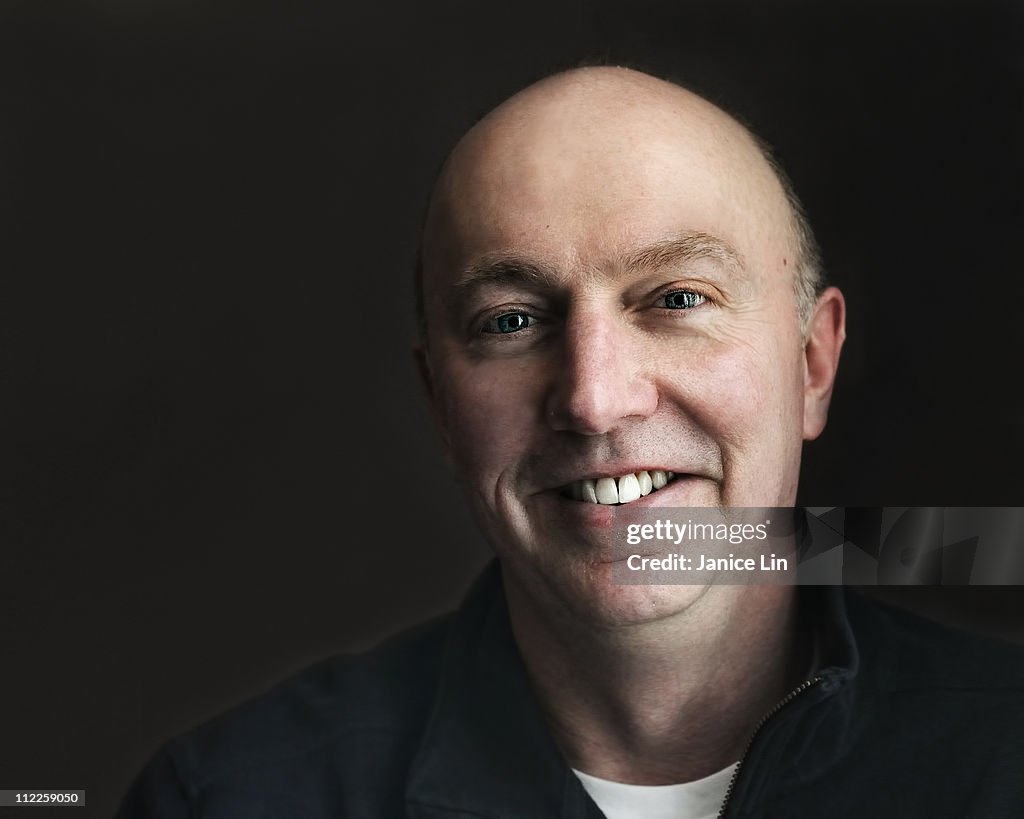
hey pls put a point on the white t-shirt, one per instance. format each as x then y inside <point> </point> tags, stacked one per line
<point>700,799</point>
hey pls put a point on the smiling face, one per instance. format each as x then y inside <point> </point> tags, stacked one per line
<point>608,286</point>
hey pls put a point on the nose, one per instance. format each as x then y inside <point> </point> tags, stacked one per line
<point>603,379</point>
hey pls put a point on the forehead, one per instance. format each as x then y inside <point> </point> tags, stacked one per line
<point>587,173</point>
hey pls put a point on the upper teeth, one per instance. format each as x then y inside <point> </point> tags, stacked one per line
<point>626,489</point>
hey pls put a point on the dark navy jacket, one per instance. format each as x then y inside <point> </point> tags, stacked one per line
<point>905,719</point>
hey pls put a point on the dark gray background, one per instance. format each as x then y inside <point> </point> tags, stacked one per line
<point>216,464</point>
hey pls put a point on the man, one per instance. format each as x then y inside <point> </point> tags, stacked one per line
<point>620,304</point>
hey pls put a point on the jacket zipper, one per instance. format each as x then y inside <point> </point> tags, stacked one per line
<point>792,695</point>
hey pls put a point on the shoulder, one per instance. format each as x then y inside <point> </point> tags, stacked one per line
<point>911,717</point>
<point>352,716</point>
<point>384,690</point>
<point>909,651</point>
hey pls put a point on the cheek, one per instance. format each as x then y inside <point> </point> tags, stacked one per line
<point>744,392</point>
<point>488,413</point>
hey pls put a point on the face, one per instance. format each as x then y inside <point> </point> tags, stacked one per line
<point>610,297</point>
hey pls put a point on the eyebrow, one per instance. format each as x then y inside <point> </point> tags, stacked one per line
<point>508,270</point>
<point>685,248</point>
<point>513,270</point>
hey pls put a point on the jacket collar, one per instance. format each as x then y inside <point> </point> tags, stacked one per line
<point>488,752</point>
<point>801,741</point>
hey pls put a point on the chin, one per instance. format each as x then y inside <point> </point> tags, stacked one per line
<point>603,602</point>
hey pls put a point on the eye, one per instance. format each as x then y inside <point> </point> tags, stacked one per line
<point>508,323</point>
<point>683,299</point>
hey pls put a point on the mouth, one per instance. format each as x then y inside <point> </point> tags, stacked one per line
<point>618,491</point>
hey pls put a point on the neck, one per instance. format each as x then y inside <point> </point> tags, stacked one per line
<point>666,701</point>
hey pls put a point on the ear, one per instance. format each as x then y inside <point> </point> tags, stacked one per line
<point>426,374</point>
<point>825,335</point>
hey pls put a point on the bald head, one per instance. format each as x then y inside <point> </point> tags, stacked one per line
<point>587,131</point>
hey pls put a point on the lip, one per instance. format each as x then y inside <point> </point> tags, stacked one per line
<point>626,470</point>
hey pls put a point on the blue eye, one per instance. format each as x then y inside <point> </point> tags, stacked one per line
<point>683,299</point>
<point>508,323</point>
